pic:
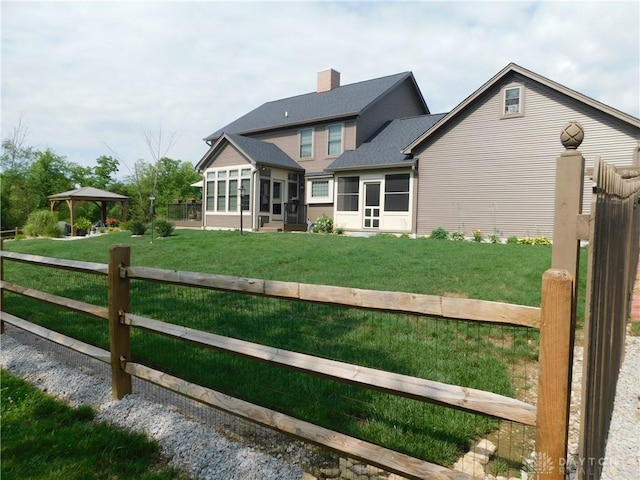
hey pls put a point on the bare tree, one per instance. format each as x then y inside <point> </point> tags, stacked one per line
<point>15,156</point>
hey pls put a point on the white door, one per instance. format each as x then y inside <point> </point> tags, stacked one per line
<point>372,205</point>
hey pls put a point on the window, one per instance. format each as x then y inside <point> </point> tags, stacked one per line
<point>348,193</point>
<point>334,136</point>
<point>512,101</point>
<point>245,184</point>
<point>211,191</point>
<point>221,202</point>
<point>223,193</point>
<point>319,188</point>
<point>233,191</point>
<point>396,193</point>
<point>306,143</point>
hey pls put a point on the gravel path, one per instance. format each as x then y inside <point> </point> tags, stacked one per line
<point>622,456</point>
<point>191,446</point>
<point>205,454</point>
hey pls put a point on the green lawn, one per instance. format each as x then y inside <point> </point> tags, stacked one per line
<point>461,353</point>
<point>43,438</point>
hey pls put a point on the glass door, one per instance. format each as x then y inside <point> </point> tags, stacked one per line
<point>372,205</point>
<point>276,199</point>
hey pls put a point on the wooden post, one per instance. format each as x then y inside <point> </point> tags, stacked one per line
<point>119,302</point>
<point>554,382</point>
<point>568,202</point>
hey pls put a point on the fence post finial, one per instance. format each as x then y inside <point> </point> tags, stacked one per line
<point>572,136</point>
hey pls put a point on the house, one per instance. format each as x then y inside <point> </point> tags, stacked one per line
<point>272,161</point>
<point>489,164</point>
<point>373,157</point>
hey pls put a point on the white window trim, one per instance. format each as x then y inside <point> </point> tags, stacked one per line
<point>313,141</point>
<point>503,100</point>
<point>341,125</point>
<point>312,200</point>
<point>215,180</point>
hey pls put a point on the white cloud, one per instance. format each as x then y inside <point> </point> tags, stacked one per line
<point>82,74</point>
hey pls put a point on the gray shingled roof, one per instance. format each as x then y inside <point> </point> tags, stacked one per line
<point>87,193</point>
<point>384,148</point>
<point>264,153</point>
<point>348,100</point>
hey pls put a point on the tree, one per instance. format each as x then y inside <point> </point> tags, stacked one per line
<point>103,173</point>
<point>16,159</point>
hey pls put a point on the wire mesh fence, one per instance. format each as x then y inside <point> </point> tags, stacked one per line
<point>497,358</point>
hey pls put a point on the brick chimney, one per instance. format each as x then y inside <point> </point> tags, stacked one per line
<point>328,80</point>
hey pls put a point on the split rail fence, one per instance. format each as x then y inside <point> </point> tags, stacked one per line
<point>555,320</point>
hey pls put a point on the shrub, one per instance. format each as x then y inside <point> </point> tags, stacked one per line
<point>83,223</point>
<point>477,235</point>
<point>512,240</point>
<point>111,222</point>
<point>439,234</point>
<point>494,238</point>
<point>164,227</point>
<point>534,241</point>
<point>338,230</point>
<point>137,226</point>
<point>324,224</point>
<point>458,237</point>
<point>42,223</point>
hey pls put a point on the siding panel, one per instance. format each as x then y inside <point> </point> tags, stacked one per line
<point>497,175</point>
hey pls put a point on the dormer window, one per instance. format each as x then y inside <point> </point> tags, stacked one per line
<point>512,101</point>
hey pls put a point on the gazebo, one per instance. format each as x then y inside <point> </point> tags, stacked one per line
<point>89,194</point>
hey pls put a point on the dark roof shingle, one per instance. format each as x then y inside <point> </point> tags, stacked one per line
<point>384,148</point>
<point>348,100</point>
<point>264,153</point>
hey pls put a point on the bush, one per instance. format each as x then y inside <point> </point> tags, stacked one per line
<point>42,223</point>
<point>137,226</point>
<point>534,241</point>
<point>477,236</point>
<point>324,224</point>
<point>439,234</point>
<point>164,227</point>
<point>458,237</point>
<point>83,224</point>
<point>512,240</point>
<point>494,238</point>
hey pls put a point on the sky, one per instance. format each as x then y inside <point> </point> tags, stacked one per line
<point>89,78</point>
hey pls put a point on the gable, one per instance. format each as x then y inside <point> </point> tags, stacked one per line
<point>232,150</point>
<point>514,72</point>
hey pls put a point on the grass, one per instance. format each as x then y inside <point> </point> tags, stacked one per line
<point>43,438</point>
<point>454,352</point>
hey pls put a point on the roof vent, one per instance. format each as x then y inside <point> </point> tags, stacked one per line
<point>328,80</point>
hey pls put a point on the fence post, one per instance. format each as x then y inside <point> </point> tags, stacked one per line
<point>119,302</point>
<point>554,382</point>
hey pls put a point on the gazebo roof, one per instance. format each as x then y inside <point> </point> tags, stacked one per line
<point>88,193</point>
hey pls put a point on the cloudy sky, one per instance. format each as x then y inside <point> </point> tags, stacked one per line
<point>88,78</point>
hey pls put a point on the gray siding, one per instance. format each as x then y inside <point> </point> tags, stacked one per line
<point>229,157</point>
<point>494,174</point>
<point>289,142</point>
<point>315,210</point>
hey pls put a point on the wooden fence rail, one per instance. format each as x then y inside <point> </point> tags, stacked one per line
<point>120,272</point>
